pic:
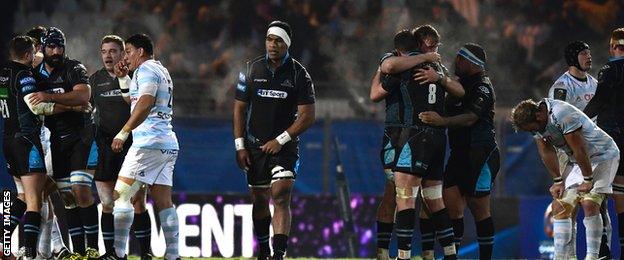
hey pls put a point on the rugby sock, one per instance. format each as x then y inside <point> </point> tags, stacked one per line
<point>32,223</point>
<point>169,223</point>
<point>404,230</point>
<point>43,246</point>
<point>593,233</point>
<point>444,233</point>
<point>621,230</point>
<point>122,217</point>
<point>605,241</point>
<point>57,238</point>
<point>427,231</point>
<point>485,237</point>
<point>18,207</point>
<point>562,229</point>
<point>89,217</point>
<point>142,227</point>
<point>458,230</point>
<point>108,231</point>
<point>571,248</point>
<point>280,243</point>
<point>384,234</point>
<point>76,232</point>
<point>261,228</point>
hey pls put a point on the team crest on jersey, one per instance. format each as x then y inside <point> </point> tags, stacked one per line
<point>560,94</point>
<point>269,93</point>
<point>287,83</point>
<point>484,89</point>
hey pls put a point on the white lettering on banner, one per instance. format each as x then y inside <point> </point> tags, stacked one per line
<point>214,227</point>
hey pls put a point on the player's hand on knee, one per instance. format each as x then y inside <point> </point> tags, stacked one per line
<point>243,159</point>
<point>117,145</point>
<point>556,190</point>
<point>271,147</point>
<point>585,187</point>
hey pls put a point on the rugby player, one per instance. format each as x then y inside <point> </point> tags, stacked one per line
<point>594,158</point>
<point>110,114</point>
<point>71,139</point>
<point>576,86</point>
<point>22,147</point>
<point>607,105</point>
<point>276,95</point>
<point>420,154</point>
<point>474,158</point>
<point>151,158</point>
<point>403,42</point>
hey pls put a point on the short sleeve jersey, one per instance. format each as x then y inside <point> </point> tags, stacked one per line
<point>156,132</point>
<point>572,90</point>
<point>272,96</point>
<point>17,81</point>
<point>563,119</point>
<point>62,80</point>
<point>479,99</point>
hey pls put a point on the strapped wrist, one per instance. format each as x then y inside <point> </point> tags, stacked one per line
<point>283,138</point>
<point>239,143</point>
<point>558,180</point>
<point>122,135</point>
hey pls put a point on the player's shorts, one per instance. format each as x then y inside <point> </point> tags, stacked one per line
<point>617,133</point>
<point>109,162</point>
<point>604,173</point>
<point>472,170</point>
<point>73,152</point>
<point>421,151</point>
<point>260,173</point>
<point>388,147</point>
<point>150,166</point>
<point>23,155</point>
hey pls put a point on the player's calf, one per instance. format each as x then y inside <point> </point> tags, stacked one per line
<point>593,222</point>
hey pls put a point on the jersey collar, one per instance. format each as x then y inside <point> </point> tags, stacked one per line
<point>616,58</point>
<point>284,60</point>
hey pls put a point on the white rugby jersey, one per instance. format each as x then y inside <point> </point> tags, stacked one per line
<point>156,132</point>
<point>564,118</point>
<point>573,91</point>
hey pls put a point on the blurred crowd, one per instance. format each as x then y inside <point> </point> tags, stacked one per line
<point>205,43</point>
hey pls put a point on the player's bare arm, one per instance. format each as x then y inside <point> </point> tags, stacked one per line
<point>80,95</point>
<point>429,75</point>
<point>305,119</point>
<point>398,64</point>
<point>51,108</point>
<point>549,158</point>
<point>577,144</point>
<point>242,155</point>
<point>377,93</point>
<point>435,119</point>
<point>139,114</point>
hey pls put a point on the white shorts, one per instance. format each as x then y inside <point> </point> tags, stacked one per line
<point>604,173</point>
<point>150,166</point>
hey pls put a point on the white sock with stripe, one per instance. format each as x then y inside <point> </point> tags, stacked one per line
<point>123,217</point>
<point>593,233</point>
<point>563,236</point>
<point>169,223</point>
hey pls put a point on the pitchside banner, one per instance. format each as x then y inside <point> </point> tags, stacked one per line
<point>221,226</point>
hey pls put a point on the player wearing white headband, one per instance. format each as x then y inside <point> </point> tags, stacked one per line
<point>274,105</point>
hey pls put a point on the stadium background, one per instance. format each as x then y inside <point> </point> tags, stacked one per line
<point>204,44</point>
